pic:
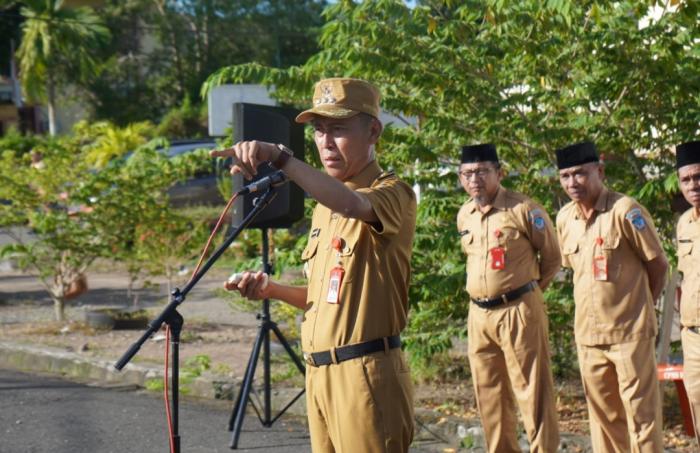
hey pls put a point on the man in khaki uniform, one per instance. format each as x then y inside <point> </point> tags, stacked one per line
<point>688,240</point>
<point>512,255</point>
<point>619,269</point>
<point>358,385</point>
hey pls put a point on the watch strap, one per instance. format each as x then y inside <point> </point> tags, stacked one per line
<point>282,158</point>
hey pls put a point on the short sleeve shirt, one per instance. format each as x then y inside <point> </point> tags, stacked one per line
<point>522,229</point>
<point>373,297</point>
<point>688,240</point>
<point>620,236</point>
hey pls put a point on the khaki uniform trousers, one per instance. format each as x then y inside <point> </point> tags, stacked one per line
<point>361,405</point>
<point>509,354</point>
<point>691,374</point>
<point>622,393</point>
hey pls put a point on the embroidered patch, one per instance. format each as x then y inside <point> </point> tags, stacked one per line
<point>636,218</point>
<point>326,96</point>
<point>537,219</point>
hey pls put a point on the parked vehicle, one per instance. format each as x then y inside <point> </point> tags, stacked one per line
<point>202,189</point>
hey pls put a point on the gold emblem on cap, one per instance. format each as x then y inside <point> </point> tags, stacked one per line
<point>326,96</point>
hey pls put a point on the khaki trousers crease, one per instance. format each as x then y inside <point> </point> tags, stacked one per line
<point>691,374</point>
<point>361,405</point>
<point>622,394</point>
<point>509,361</point>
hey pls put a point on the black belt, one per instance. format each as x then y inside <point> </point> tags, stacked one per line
<point>507,297</point>
<point>352,351</point>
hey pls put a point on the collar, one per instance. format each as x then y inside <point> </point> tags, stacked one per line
<point>365,177</point>
<point>499,201</point>
<point>601,204</point>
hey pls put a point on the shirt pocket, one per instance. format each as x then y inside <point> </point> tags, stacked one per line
<point>685,251</point>
<point>308,256</point>
<point>510,239</point>
<point>346,258</point>
<point>569,251</point>
<point>467,241</point>
<point>509,233</point>
<point>611,244</point>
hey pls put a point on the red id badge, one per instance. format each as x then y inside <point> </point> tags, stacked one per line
<point>498,258</point>
<point>334,283</point>
<point>600,268</point>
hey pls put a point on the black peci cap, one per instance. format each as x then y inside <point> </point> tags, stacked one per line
<point>576,154</point>
<point>485,152</point>
<point>688,153</point>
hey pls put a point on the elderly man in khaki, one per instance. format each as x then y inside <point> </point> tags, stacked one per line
<point>619,268</point>
<point>358,386</point>
<point>688,240</point>
<point>512,255</point>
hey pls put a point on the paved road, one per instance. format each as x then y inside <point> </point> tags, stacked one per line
<point>43,414</point>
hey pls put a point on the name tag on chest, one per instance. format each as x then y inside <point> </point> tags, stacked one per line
<point>334,283</point>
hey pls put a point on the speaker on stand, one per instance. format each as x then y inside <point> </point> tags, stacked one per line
<point>275,125</point>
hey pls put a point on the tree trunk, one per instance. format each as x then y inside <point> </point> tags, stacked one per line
<point>59,308</point>
<point>51,97</point>
<point>169,276</point>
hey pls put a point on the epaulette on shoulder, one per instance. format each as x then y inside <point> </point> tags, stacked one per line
<point>386,175</point>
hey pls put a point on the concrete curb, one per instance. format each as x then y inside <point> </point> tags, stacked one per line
<point>45,359</point>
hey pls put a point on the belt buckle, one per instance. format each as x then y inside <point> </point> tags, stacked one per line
<point>309,359</point>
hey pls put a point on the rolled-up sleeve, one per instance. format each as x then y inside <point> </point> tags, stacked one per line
<point>392,201</point>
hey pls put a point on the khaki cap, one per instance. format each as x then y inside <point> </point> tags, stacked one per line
<point>340,97</point>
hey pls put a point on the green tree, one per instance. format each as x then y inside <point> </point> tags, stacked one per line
<point>529,76</point>
<point>10,30</point>
<point>58,44</point>
<point>77,212</point>
<point>107,141</point>
<point>161,51</point>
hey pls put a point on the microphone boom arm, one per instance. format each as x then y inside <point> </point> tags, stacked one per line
<point>177,296</point>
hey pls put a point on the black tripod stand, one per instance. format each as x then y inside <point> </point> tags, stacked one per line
<point>261,341</point>
<point>172,318</point>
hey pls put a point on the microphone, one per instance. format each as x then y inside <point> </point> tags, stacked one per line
<point>273,180</point>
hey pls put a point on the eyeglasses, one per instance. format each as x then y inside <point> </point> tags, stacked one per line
<point>480,173</point>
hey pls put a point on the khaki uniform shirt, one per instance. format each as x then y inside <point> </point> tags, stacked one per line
<point>373,299</point>
<point>520,226</point>
<point>688,236</point>
<point>621,308</point>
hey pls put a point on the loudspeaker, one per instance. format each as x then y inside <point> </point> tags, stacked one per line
<point>274,125</point>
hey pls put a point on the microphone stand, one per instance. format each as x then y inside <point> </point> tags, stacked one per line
<point>172,318</point>
<point>262,341</point>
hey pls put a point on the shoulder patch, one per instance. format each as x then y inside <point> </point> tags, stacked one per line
<point>636,218</point>
<point>537,219</point>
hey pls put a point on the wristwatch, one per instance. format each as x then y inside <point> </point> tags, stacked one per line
<point>282,157</point>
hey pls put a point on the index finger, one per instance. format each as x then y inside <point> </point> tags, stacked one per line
<point>226,152</point>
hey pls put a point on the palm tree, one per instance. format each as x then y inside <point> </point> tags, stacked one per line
<point>57,43</point>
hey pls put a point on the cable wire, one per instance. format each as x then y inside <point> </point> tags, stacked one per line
<point>166,392</point>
